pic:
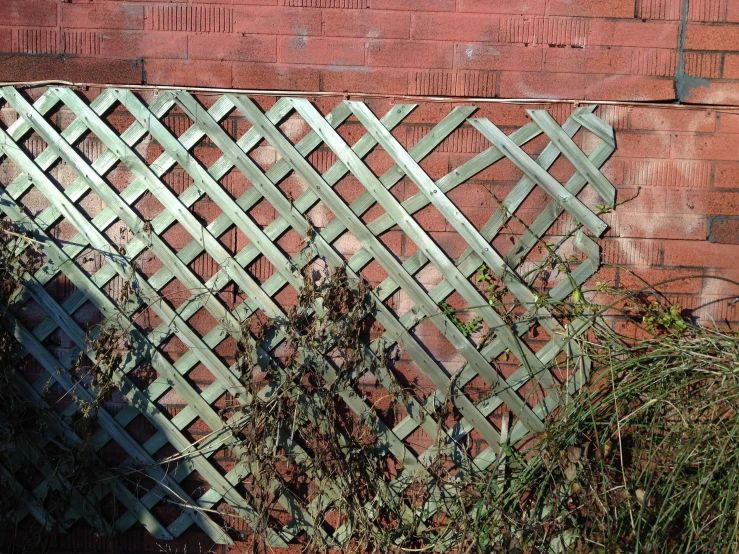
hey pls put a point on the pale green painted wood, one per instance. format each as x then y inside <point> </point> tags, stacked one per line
<point>486,407</point>
<point>246,136</point>
<point>598,127</point>
<point>334,202</point>
<point>72,134</point>
<point>101,165</point>
<point>489,456</point>
<point>71,328</point>
<point>99,242</point>
<point>570,203</point>
<point>215,332</point>
<point>478,243</point>
<point>135,246</point>
<point>576,157</point>
<point>330,177</point>
<point>209,185</point>
<point>418,201</point>
<point>220,142</point>
<point>59,373</point>
<point>127,215</point>
<point>157,418</point>
<point>496,347</point>
<point>280,170</point>
<point>75,191</point>
<point>301,225</point>
<point>123,494</point>
<point>554,209</point>
<point>547,354</point>
<point>360,206</point>
<point>114,429</point>
<point>447,268</point>
<point>30,502</point>
<point>334,229</point>
<point>27,451</point>
<point>44,104</point>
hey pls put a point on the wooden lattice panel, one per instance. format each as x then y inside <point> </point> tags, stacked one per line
<point>87,187</point>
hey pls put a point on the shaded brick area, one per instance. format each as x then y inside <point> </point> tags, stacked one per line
<point>574,49</point>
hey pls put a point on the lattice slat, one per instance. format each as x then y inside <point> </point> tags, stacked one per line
<point>380,207</point>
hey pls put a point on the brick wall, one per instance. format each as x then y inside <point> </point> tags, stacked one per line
<point>680,165</point>
<point>605,49</point>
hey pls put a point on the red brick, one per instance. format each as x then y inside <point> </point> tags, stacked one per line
<point>725,231</point>
<point>275,77</point>
<point>672,119</point>
<point>542,85</point>
<point>685,281</point>
<point>5,40</point>
<point>525,7</point>
<point>103,16</point>
<point>647,200</point>
<point>320,51</point>
<point>693,253</point>
<point>236,48</point>
<point>429,113</point>
<point>657,226</point>
<point>728,122</point>
<point>613,169</point>
<point>277,21</point>
<point>138,44</point>
<point>629,87</point>
<point>732,12</point>
<point>505,115</point>
<point>588,60</point>
<point>715,93</point>
<point>450,242</point>
<point>712,37</point>
<point>369,24</point>
<point>79,70</point>
<point>731,66</point>
<point>592,8</point>
<point>713,282</point>
<point>195,73</point>
<point>454,27</point>
<point>667,173</point>
<point>498,57</point>
<point>436,165</point>
<point>248,2</point>
<point>396,53</point>
<point>642,145</point>
<point>415,5</point>
<point>703,202</point>
<point>726,175</point>
<point>430,219</point>
<point>633,33</point>
<point>723,148</point>
<point>353,80</point>
<point>39,13</point>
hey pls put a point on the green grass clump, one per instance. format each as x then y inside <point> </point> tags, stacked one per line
<point>645,459</point>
